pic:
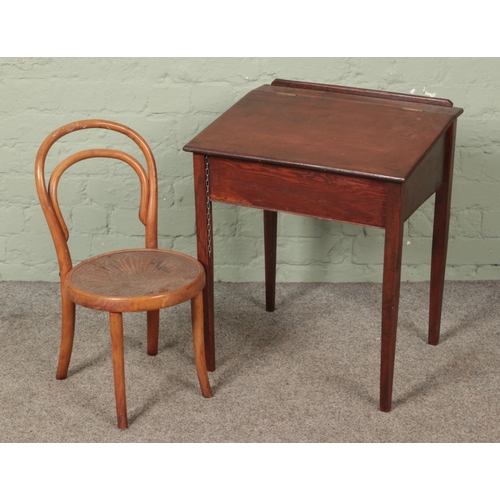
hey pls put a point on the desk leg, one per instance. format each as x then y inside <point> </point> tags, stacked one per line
<point>393,251</point>
<point>204,256</point>
<point>270,238</point>
<point>440,240</point>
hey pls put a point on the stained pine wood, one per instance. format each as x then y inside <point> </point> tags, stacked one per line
<point>423,182</point>
<point>393,251</point>
<point>356,135</point>
<point>355,155</point>
<point>298,191</point>
<point>203,211</point>
<point>131,280</point>
<point>440,239</point>
<point>379,94</point>
<point>270,240</point>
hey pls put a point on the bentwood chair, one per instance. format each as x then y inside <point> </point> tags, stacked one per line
<point>133,280</point>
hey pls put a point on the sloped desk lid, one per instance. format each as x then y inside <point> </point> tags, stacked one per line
<point>364,133</point>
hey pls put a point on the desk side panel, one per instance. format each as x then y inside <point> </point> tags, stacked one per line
<point>298,191</point>
<point>425,178</point>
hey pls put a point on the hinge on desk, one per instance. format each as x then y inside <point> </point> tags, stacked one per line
<point>207,194</point>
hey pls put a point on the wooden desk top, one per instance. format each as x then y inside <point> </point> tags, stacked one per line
<point>371,134</point>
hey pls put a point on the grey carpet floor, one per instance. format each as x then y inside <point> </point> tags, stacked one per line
<point>309,372</point>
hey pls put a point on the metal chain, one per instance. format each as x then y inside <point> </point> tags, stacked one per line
<point>207,193</point>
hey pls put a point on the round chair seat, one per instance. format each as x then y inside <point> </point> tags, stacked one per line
<point>135,280</point>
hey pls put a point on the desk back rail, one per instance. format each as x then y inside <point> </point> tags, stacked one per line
<point>378,94</point>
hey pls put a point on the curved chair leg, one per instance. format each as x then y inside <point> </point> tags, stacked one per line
<point>199,344</point>
<point>67,335</point>
<point>153,329</point>
<point>116,327</point>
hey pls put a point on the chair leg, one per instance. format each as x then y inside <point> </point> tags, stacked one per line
<point>116,327</point>
<point>199,344</point>
<point>153,329</point>
<point>67,335</point>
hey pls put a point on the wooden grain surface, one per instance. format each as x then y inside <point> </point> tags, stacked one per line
<point>350,134</point>
<point>122,281</point>
<point>379,94</point>
<point>361,156</point>
<point>135,280</point>
<point>298,191</point>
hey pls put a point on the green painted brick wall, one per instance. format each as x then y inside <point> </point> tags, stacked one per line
<point>168,101</point>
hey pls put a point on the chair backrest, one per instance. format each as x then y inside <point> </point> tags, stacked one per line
<point>148,209</point>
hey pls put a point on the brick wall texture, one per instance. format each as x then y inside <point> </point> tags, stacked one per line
<point>168,101</point>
